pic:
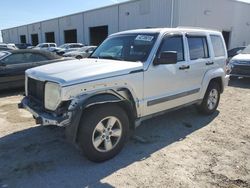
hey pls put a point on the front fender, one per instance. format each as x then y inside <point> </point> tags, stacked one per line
<point>82,102</point>
<point>212,74</point>
<point>101,98</point>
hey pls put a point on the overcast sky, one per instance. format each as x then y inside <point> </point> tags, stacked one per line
<point>20,12</point>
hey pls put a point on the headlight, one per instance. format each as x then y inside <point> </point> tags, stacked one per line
<point>52,96</point>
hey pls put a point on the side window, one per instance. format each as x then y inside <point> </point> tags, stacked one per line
<point>174,43</point>
<point>32,57</point>
<point>198,47</point>
<point>15,59</point>
<point>217,45</point>
<point>76,46</point>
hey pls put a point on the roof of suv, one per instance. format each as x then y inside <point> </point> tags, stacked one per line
<point>164,30</point>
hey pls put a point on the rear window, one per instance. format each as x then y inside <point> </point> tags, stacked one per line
<point>198,48</point>
<point>218,46</point>
<point>76,46</point>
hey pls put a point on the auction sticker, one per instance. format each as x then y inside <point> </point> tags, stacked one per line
<point>147,38</point>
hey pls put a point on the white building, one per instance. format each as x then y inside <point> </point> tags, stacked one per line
<point>91,27</point>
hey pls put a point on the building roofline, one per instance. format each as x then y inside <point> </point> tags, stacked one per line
<point>73,14</point>
<point>95,9</point>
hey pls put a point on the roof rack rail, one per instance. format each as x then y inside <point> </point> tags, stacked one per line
<point>192,27</point>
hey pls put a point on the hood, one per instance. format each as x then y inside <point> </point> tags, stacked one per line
<point>241,57</point>
<point>84,70</point>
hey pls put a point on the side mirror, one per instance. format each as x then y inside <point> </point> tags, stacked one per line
<point>166,57</point>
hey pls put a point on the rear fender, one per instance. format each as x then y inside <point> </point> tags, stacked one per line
<point>210,75</point>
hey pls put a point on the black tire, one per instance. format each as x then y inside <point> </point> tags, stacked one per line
<point>78,57</point>
<point>203,107</point>
<point>88,125</point>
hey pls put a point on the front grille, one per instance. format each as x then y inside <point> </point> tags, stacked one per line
<point>36,90</point>
<point>241,69</point>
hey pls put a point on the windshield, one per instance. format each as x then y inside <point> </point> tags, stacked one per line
<point>63,46</point>
<point>246,50</point>
<point>83,49</point>
<point>134,47</point>
<point>39,45</point>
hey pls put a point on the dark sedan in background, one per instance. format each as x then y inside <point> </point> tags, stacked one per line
<point>14,63</point>
<point>23,45</point>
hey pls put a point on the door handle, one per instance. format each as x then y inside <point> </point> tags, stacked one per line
<point>183,67</point>
<point>209,63</point>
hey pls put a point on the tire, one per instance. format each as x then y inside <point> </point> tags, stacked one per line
<point>211,99</point>
<point>78,57</point>
<point>97,142</point>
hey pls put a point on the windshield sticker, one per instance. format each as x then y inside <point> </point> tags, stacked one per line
<point>146,38</point>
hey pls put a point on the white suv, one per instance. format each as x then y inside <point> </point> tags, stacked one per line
<point>45,46</point>
<point>132,76</point>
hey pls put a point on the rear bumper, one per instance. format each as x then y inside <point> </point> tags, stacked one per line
<point>45,118</point>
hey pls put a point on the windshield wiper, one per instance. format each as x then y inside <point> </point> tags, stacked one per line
<point>93,57</point>
<point>107,57</point>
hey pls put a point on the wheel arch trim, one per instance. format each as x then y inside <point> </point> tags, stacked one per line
<point>211,75</point>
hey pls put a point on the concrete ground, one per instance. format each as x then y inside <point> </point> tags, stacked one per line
<point>179,149</point>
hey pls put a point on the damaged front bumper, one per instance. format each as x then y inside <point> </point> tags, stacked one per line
<point>44,118</point>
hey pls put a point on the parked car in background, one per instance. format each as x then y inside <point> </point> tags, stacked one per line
<point>235,51</point>
<point>132,76</point>
<point>240,64</point>
<point>23,45</point>
<point>14,63</point>
<point>68,47</point>
<point>81,53</point>
<point>46,46</point>
<point>12,46</point>
<point>6,47</point>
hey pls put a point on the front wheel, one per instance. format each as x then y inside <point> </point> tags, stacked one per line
<point>103,131</point>
<point>211,99</point>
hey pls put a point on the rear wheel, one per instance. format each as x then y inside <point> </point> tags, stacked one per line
<point>103,131</point>
<point>211,99</point>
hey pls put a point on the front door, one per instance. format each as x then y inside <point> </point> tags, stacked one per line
<point>170,85</point>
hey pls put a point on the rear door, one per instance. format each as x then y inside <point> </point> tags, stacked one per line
<point>170,85</point>
<point>218,52</point>
<point>199,58</point>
